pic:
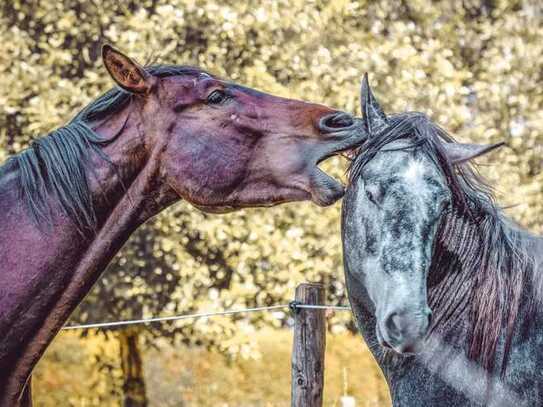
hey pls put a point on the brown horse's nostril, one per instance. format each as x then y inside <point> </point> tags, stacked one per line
<point>335,121</point>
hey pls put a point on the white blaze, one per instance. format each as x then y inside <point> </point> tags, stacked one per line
<point>414,172</point>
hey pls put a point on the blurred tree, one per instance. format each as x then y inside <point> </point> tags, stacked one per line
<point>132,367</point>
<point>474,66</point>
<point>142,281</point>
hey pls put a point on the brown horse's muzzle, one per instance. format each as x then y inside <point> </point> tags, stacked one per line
<point>335,121</point>
<point>339,132</point>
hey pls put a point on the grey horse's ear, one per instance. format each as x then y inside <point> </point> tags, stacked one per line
<point>373,116</point>
<point>459,153</point>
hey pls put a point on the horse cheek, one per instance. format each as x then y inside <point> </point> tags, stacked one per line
<point>200,171</point>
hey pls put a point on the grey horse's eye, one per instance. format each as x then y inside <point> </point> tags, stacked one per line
<point>373,193</point>
<point>444,205</point>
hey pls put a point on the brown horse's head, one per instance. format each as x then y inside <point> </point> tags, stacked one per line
<point>222,146</point>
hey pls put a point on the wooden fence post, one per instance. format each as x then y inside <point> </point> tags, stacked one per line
<point>308,348</point>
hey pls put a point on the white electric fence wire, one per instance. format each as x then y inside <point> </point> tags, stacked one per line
<point>332,307</point>
<point>202,315</point>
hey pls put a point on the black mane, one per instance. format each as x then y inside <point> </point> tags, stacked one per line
<point>55,165</point>
<point>468,188</point>
<point>496,283</point>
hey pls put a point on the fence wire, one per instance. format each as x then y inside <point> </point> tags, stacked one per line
<point>293,306</point>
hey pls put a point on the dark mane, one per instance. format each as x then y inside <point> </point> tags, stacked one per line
<point>495,281</point>
<point>55,165</point>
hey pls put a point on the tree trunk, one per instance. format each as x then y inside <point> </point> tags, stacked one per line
<point>132,366</point>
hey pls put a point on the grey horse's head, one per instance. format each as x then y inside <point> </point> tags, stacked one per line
<point>398,195</point>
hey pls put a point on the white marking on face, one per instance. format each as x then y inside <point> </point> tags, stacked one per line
<point>414,172</point>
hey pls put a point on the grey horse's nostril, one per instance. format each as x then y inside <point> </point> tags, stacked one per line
<point>405,331</point>
<point>392,324</point>
<point>336,121</point>
<point>429,316</point>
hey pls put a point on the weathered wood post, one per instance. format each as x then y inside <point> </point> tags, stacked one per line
<point>308,347</point>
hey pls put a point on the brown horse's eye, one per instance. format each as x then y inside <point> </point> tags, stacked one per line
<point>217,97</point>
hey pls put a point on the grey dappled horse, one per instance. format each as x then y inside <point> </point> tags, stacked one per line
<point>445,289</point>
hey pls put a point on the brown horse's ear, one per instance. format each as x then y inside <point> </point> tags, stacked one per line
<point>459,153</point>
<point>128,74</point>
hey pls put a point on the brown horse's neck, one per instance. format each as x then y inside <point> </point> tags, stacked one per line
<point>132,172</point>
<point>125,194</point>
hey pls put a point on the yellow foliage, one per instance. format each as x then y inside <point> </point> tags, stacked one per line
<point>473,66</point>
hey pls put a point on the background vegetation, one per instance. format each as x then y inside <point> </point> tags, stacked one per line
<point>194,377</point>
<point>475,66</point>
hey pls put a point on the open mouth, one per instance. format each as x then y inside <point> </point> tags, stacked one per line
<point>340,133</point>
<point>325,189</point>
<point>343,134</point>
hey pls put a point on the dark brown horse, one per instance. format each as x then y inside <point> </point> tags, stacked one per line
<point>70,201</point>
